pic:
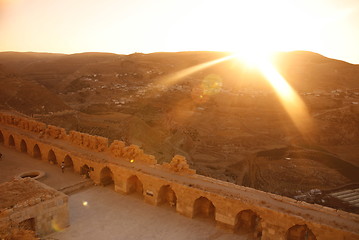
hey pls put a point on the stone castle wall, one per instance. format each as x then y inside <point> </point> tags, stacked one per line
<point>41,214</point>
<point>83,140</point>
<point>129,169</point>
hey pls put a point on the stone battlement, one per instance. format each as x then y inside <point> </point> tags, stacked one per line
<point>128,169</point>
<point>94,143</point>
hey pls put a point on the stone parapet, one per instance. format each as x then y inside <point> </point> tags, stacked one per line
<point>130,170</point>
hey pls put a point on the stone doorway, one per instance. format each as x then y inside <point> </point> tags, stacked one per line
<point>166,196</point>
<point>249,222</point>
<point>134,185</point>
<point>106,177</point>
<point>204,208</point>
<point>69,164</point>
<point>11,141</point>
<point>23,146</point>
<point>300,232</point>
<point>51,157</point>
<point>37,152</point>
<point>85,171</point>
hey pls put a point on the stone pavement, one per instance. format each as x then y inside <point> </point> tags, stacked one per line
<point>110,215</point>
<point>14,163</point>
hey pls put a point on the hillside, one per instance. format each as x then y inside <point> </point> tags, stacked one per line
<point>223,118</point>
<point>28,97</point>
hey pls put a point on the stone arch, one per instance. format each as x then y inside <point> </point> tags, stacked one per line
<point>23,146</point>
<point>106,176</point>
<point>248,221</point>
<point>1,138</point>
<point>134,185</point>
<point>68,162</point>
<point>300,232</point>
<point>37,152</point>
<point>11,141</point>
<point>85,170</point>
<point>203,207</point>
<point>51,157</point>
<point>166,195</point>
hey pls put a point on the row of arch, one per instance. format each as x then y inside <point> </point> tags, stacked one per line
<point>246,221</point>
<point>51,157</point>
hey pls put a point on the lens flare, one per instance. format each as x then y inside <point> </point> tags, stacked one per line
<point>175,77</point>
<point>56,226</point>
<point>253,57</point>
<point>165,82</point>
<point>289,98</point>
<point>211,84</point>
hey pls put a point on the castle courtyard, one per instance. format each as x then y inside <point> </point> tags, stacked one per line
<point>98,212</point>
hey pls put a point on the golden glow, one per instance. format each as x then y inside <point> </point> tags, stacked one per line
<point>253,57</point>
<point>289,98</point>
<point>175,77</point>
<point>276,25</point>
<point>56,226</point>
<point>329,27</point>
<point>131,161</point>
<point>84,203</point>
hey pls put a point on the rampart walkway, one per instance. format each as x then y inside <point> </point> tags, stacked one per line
<point>266,216</point>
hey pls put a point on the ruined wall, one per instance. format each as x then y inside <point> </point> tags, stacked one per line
<point>23,123</point>
<point>43,213</point>
<point>55,132</point>
<point>95,143</point>
<point>179,165</point>
<point>131,153</point>
<point>264,215</point>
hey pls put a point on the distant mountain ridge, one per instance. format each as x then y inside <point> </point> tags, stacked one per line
<point>306,71</point>
<point>219,117</point>
<point>302,68</point>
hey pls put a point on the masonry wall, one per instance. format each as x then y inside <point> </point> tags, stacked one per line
<point>48,216</point>
<point>266,216</point>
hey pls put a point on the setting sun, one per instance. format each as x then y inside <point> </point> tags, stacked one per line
<point>229,112</point>
<point>326,27</point>
<point>289,98</point>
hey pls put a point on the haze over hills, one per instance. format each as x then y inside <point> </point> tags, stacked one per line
<point>225,118</point>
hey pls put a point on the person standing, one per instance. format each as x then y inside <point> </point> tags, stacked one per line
<point>62,167</point>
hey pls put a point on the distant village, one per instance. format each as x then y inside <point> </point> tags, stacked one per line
<point>132,89</point>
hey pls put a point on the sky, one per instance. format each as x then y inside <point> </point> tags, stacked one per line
<point>328,27</point>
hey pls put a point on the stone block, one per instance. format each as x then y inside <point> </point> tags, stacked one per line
<point>225,219</point>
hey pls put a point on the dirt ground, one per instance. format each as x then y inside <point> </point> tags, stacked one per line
<point>116,216</point>
<point>110,215</point>
<point>14,163</point>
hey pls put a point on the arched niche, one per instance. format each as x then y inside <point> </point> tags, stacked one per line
<point>167,196</point>
<point>203,207</point>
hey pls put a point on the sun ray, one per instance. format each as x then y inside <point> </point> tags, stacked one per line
<point>289,98</point>
<point>175,77</point>
<point>163,83</point>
